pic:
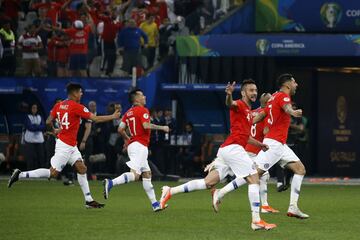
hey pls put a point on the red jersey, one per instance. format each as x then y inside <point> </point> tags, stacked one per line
<point>111,28</point>
<point>69,114</point>
<point>257,132</point>
<point>134,119</point>
<point>277,120</point>
<point>53,10</point>
<point>79,39</point>
<point>240,124</point>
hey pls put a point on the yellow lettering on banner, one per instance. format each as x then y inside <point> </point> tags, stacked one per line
<point>342,157</point>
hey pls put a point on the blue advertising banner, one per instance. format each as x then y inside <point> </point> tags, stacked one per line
<point>47,90</point>
<point>195,87</point>
<point>269,45</point>
<point>338,124</point>
<point>307,16</point>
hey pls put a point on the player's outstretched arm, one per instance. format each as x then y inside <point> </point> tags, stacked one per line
<point>105,118</point>
<point>229,99</point>
<point>289,110</point>
<point>151,126</point>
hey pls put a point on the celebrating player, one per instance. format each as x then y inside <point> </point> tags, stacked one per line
<point>231,156</point>
<point>68,113</point>
<point>277,122</point>
<point>137,121</point>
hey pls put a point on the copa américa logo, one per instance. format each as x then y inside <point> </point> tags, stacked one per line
<point>331,13</point>
<point>262,46</point>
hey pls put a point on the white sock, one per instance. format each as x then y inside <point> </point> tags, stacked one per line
<point>263,188</point>
<point>231,186</point>
<point>254,199</point>
<point>190,186</point>
<point>124,178</point>
<point>295,189</point>
<point>37,173</point>
<point>149,189</point>
<point>84,185</point>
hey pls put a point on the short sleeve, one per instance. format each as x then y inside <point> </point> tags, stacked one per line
<point>144,115</point>
<point>283,100</point>
<point>82,111</point>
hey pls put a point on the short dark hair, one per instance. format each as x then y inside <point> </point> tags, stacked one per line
<point>73,87</point>
<point>283,78</point>
<point>133,93</point>
<point>246,82</point>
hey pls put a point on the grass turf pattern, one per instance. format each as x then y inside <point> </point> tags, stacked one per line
<point>49,210</point>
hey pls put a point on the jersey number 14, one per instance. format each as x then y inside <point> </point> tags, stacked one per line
<point>63,120</point>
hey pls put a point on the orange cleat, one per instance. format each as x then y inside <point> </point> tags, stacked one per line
<point>262,225</point>
<point>268,209</point>
<point>165,196</point>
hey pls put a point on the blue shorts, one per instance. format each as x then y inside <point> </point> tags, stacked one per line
<point>78,62</point>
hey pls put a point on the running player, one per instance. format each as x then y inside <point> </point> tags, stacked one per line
<point>137,121</point>
<point>252,150</point>
<point>68,114</point>
<point>277,122</point>
<point>231,156</point>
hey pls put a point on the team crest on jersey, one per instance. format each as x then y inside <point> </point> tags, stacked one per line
<point>266,165</point>
<point>286,99</point>
<point>146,116</point>
<point>86,110</point>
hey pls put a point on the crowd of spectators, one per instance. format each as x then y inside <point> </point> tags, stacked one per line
<point>72,37</point>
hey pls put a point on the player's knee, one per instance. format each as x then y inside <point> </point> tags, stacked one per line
<point>209,184</point>
<point>82,169</point>
<point>300,169</point>
<point>146,175</point>
<point>53,173</point>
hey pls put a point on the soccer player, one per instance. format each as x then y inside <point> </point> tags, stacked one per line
<point>252,150</point>
<point>137,121</point>
<point>231,156</point>
<point>68,113</point>
<point>278,111</point>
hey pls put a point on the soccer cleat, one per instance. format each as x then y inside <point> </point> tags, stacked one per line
<point>156,207</point>
<point>268,209</point>
<point>283,187</point>
<point>165,196</point>
<point>14,177</point>
<point>108,184</point>
<point>295,212</point>
<point>262,225</point>
<point>94,204</point>
<point>215,199</point>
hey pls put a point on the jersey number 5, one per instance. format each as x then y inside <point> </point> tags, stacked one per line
<point>132,129</point>
<point>63,120</point>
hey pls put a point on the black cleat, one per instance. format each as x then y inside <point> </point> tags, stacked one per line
<point>94,204</point>
<point>14,177</point>
<point>283,187</point>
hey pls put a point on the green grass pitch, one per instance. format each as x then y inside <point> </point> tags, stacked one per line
<point>49,210</point>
